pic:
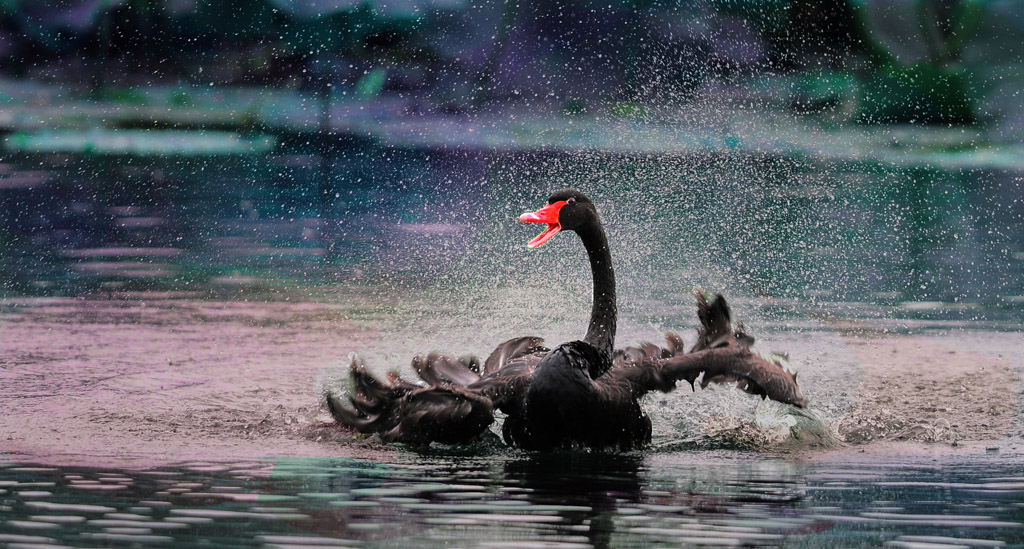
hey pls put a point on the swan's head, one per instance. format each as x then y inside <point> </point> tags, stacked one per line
<point>566,210</point>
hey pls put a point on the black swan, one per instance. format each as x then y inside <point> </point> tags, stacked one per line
<point>578,394</point>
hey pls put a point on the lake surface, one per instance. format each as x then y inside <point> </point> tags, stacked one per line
<point>859,238</point>
<point>420,249</point>
<point>502,500</point>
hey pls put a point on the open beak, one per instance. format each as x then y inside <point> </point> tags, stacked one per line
<point>548,214</point>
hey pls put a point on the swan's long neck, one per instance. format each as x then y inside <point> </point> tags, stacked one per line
<point>601,332</point>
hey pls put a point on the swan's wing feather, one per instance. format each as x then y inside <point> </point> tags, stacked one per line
<point>506,387</point>
<point>374,404</point>
<point>650,350</point>
<point>720,355</point>
<point>742,337</point>
<point>396,381</point>
<point>443,370</point>
<point>673,345</point>
<point>628,356</point>
<point>346,416</point>
<point>511,350</point>
<point>449,415</point>
<point>715,323</point>
<point>753,373</point>
<point>646,352</point>
<point>400,411</point>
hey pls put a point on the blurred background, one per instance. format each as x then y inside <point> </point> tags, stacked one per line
<point>907,61</point>
<point>862,154</point>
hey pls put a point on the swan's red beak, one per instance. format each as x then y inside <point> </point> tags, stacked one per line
<point>548,214</point>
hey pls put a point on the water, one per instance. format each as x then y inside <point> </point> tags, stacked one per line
<point>523,501</point>
<point>858,239</point>
<point>153,308</point>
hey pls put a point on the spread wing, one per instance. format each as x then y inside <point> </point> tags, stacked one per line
<point>751,372</point>
<point>721,355</point>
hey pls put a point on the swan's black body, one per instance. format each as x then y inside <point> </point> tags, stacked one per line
<point>579,394</point>
<point>565,407</point>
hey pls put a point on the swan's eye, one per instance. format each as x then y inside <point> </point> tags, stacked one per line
<point>570,201</point>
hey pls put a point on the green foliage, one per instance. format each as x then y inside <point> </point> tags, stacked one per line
<point>826,86</point>
<point>371,84</point>
<point>124,96</point>
<point>921,93</point>
<point>935,91</point>
<point>574,107</point>
<point>626,109</point>
<point>182,98</point>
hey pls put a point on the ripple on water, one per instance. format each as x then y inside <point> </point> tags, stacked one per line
<point>69,507</point>
<point>126,538</point>
<point>21,538</point>
<point>59,519</point>
<point>355,504</point>
<point>189,521</point>
<point>463,495</point>
<point>947,542</point>
<point>98,487</point>
<point>305,542</point>
<point>284,514</point>
<point>528,544</point>
<point>730,537</point>
<point>130,531</point>
<point>30,524</point>
<point>114,523</point>
<point>963,521</point>
<point>507,518</point>
<point>127,516</point>
<point>320,495</point>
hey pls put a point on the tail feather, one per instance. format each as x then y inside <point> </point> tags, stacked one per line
<point>356,419</point>
<point>450,415</point>
<point>365,384</point>
<point>400,411</point>
<point>373,403</point>
<point>396,382</point>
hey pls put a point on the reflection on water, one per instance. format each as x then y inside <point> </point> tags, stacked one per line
<point>863,240</point>
<point>517,500</point>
